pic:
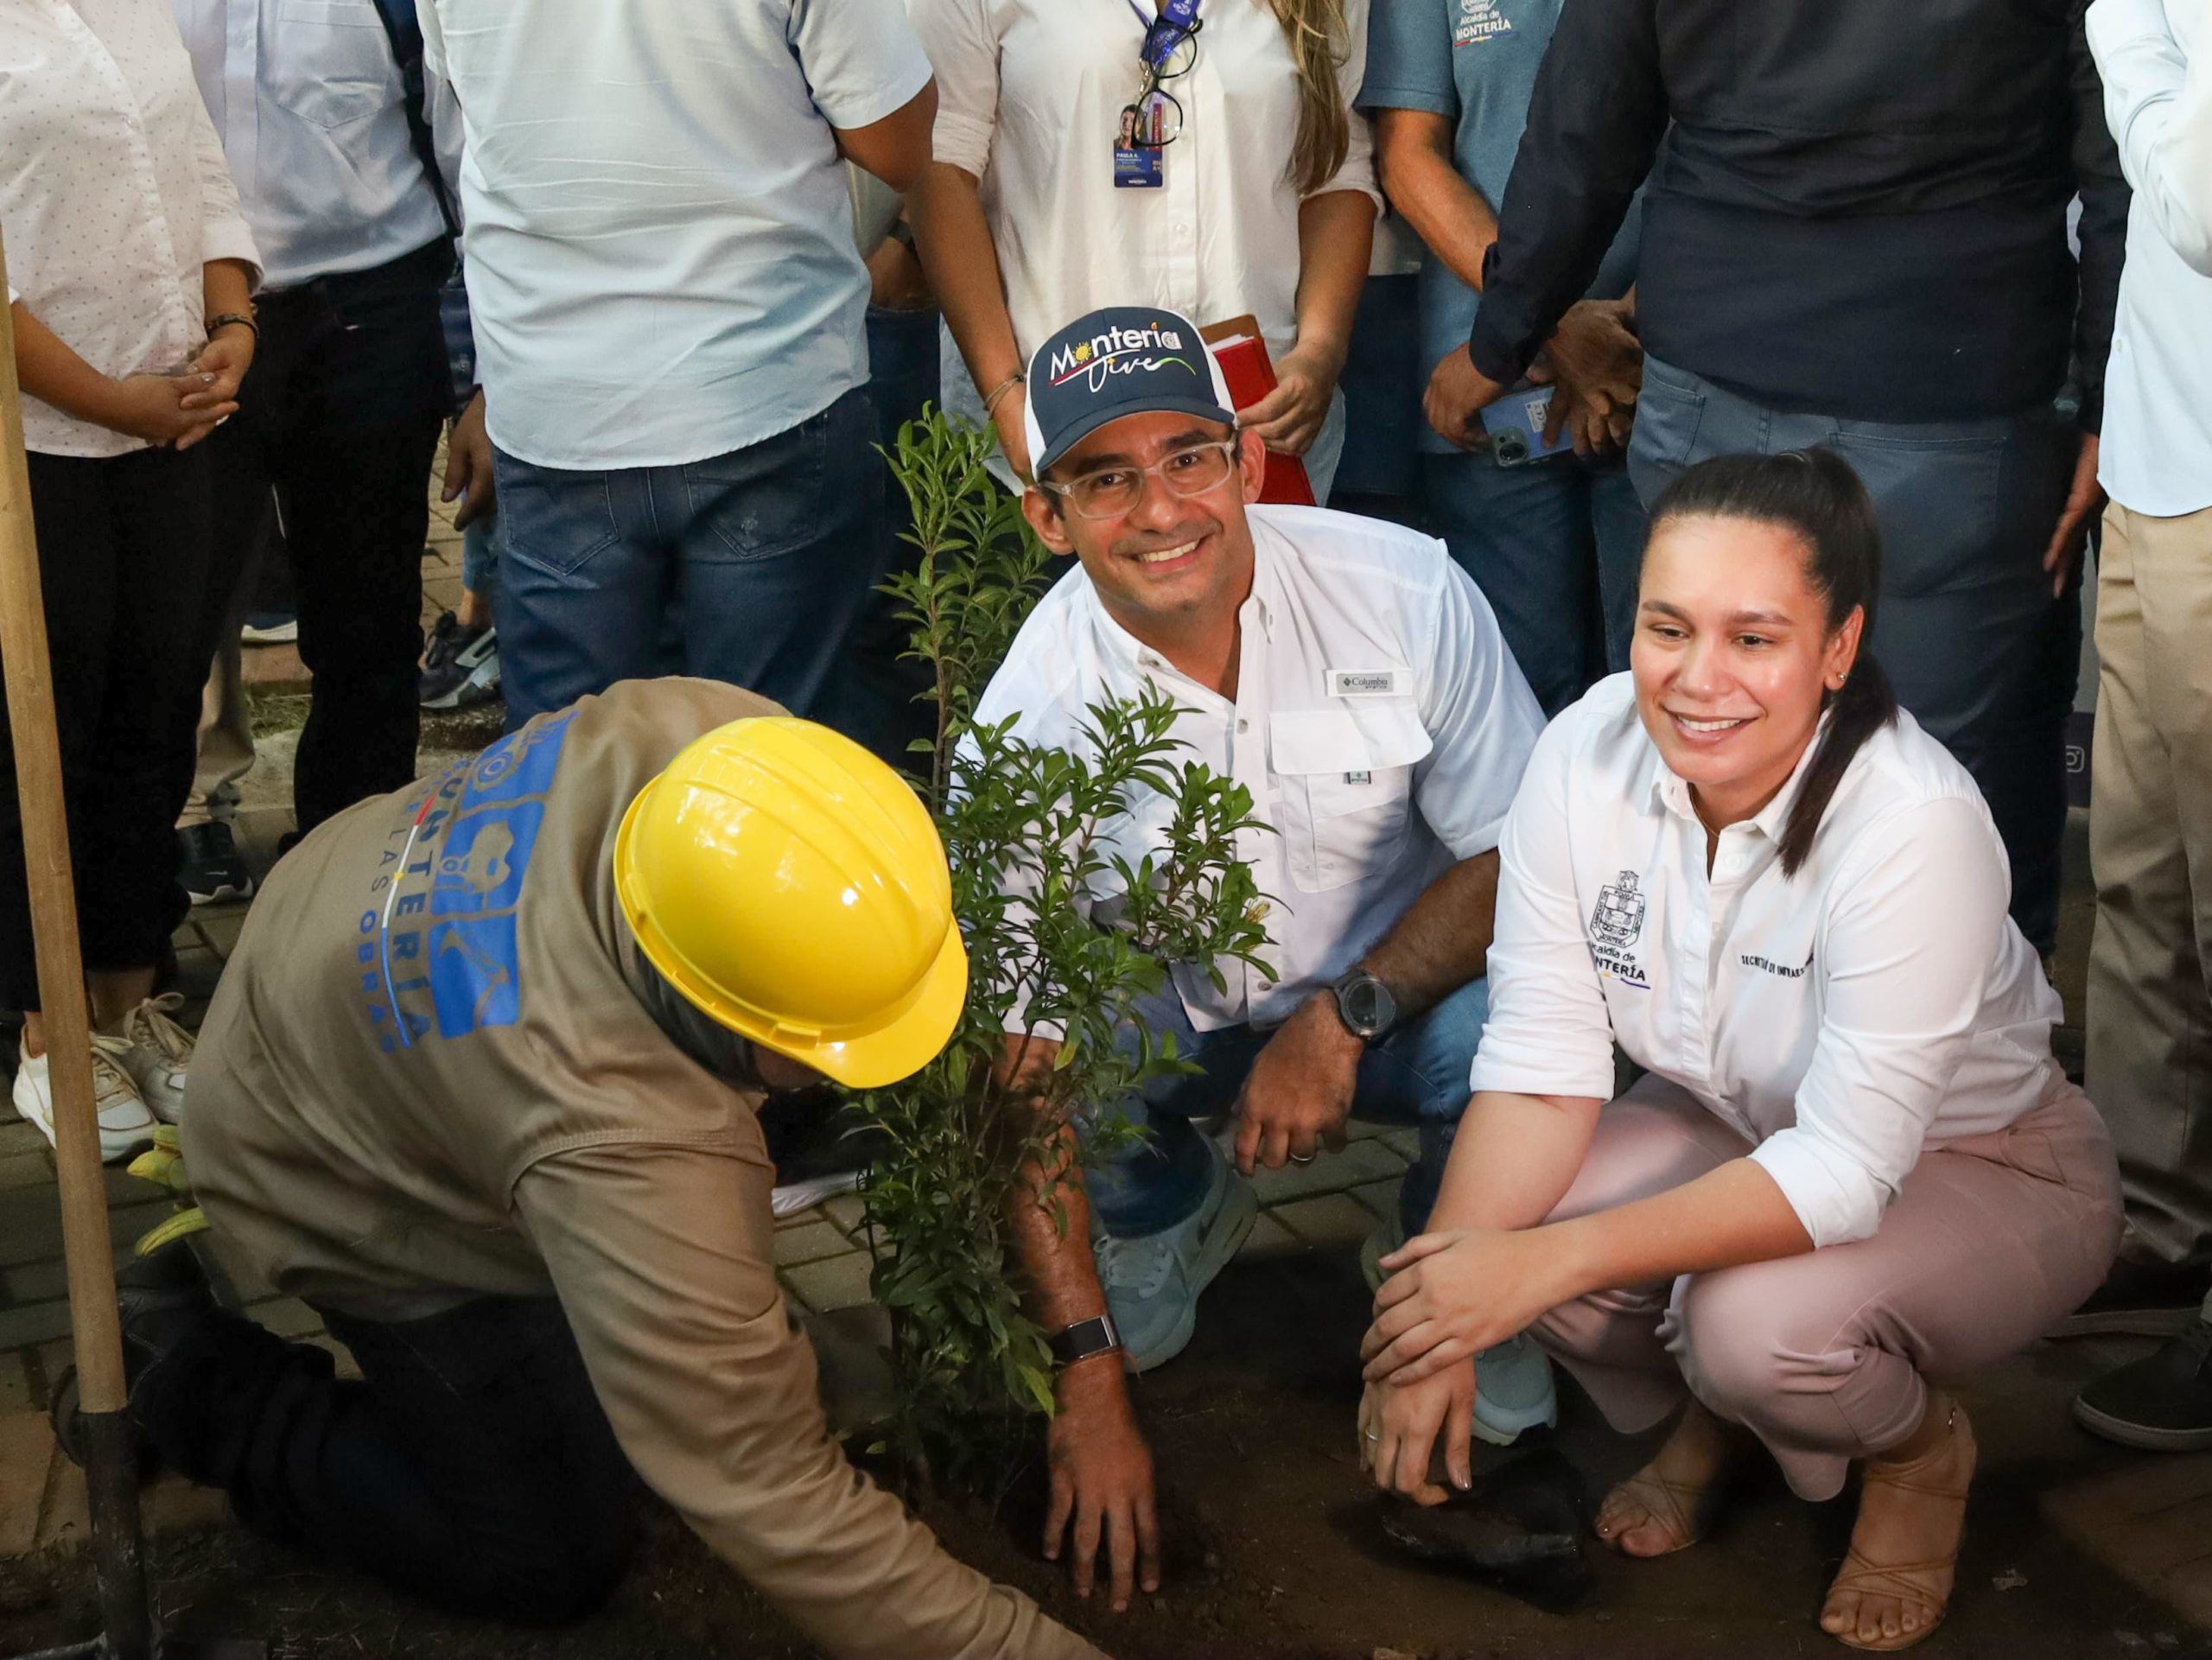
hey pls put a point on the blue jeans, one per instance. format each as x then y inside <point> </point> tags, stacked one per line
<point>1418,1074</point>
<point>1382,382</point>
<point>1554,546</point>
<point>479,558</point>
<point>762,559</point>
<point>1967,627</point>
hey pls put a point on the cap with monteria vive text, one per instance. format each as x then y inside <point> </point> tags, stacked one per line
<point>1121,360</point>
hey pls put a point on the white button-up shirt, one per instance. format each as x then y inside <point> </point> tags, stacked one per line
<point>1029,99</point>
<point>1380,723</point>
<point>1878,1003</point>
<point>113,196</point>
<point>2156,58</point>
<point>307,98</point>
<point>659,240</point>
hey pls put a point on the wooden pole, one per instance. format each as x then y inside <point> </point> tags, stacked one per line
<point>111,1472</point>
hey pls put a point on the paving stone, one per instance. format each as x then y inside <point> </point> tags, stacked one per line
<point>809,1242</point>
<point>26,1456</point>
<point>1403,1141</point>
<point>30,1225</point>
<point>1331,1172</point>
<point>14,1385</point>
<point>173,1504</point>
<point>123,1188</point>
<point>25,1170</point>
<point>36,1282</point>
<point>39,1322</point>
<point>1381,1197</point>
<point>286,1316</point>
<point>2151,1522</point>
<point>1330,1219</point>
<point>848,1212</point>
<point>1270,1238</point>
<point>197,971</point>
<point>67,1523</point>
<point>220,926</point>
<point>827,1287</point>
<point>17,1134</point>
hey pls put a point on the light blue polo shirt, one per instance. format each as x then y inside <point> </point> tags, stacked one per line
<point>1474,62</point>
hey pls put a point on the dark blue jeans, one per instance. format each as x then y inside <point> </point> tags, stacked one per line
<point>752,567</point>
<point>1553,545</point>
<point>1418,1074</point>
<point>1967,628</point>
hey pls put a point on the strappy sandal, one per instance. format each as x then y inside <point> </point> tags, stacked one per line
<point>1910,1583</point>
<point>1683,1508</point>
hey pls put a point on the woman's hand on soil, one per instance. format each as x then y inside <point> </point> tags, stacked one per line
<point>1453,1294</point>
<point>1102,1482</point>
<point>1399,1424</point>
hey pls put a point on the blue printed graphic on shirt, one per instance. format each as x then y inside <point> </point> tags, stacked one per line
<point>437,948</point>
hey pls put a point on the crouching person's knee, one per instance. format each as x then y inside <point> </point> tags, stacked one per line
<point>556,1580</point>
<point>1735,1340</point>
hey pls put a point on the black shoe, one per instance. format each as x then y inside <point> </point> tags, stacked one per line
<point>2162,1402</point>
<point>163,1299</point>
<point>2139,1300</point>
<point>208,865</point>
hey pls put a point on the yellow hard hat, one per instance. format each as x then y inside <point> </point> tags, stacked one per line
<point>792,886</point>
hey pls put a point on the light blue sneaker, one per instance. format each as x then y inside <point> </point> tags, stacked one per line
<point>1152,1282</point>
<point>1513,1382</point>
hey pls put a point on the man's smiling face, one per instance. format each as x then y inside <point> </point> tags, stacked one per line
<point>1168,560</point>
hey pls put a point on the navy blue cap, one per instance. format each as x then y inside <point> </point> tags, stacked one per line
<point>1121,361</point>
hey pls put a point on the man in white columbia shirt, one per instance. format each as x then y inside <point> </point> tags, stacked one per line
<point>336,170</point>
<point>2150,1021</point>
<point>670,327</point>
<point>1350,675</point>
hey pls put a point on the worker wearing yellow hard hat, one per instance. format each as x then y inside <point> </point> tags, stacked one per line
<point>480,1084</point>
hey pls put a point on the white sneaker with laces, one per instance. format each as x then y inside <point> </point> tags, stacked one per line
<point>158,1053</point>
<point>126,1128</point>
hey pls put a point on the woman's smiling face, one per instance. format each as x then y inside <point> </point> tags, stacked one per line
<point>1733,657</point>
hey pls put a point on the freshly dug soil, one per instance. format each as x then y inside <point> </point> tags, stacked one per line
<point>1275,1546</point>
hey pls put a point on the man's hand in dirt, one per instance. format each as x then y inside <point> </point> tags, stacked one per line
<point>1101,1481</point>
<point>1297,1095</point>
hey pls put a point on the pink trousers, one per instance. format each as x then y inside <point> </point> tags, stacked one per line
<point>1825,1355</point>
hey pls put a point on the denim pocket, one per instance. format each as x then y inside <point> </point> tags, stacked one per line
<point>550,520</point>
<point>1938,497</point>
<point>771,497</point>
<point>1670,411</point>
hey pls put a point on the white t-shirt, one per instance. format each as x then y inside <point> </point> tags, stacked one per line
<point>2156,59</point>
<point>113,194</point>
<point>1380,723</point>
<point>659,239</point>
<point>309,102</point>
<point>1029,96</point>
<point>1878,1002</point>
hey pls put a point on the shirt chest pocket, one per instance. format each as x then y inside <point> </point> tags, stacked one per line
<point>333,63</point>
<point>1345,787</point>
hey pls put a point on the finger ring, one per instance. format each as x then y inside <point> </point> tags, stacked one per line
<point>1308,1158</point>
<point>1374,1435</point>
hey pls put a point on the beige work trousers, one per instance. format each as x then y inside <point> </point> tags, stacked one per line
<point>1825,1356</point>
<point>2150,1013</point>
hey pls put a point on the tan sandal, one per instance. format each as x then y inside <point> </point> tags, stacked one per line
<point>1913,1583</point>
<point>1682,1507</point>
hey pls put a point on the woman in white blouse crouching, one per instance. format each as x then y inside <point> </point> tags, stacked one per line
<point>1851,1161</point>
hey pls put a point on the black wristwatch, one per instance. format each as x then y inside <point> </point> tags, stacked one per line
<point>1085,1339</point>
<point>1365,1006</point>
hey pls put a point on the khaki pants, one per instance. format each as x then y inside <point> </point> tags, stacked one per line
<point>1825,1356</point>
<point>2150,1013</point>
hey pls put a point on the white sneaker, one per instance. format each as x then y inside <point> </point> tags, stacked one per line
<point>158,1051</point>
<point>126,1128</point>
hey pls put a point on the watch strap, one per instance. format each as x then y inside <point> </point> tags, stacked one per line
<point>1085,1339</point>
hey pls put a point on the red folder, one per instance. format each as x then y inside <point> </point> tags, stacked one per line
<point>1236,345</point>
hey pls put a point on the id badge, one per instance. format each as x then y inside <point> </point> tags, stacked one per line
<point>1137,169</point>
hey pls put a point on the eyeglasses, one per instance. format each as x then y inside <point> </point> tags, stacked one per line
<point>1156,116</point>
<point>1112,491</point>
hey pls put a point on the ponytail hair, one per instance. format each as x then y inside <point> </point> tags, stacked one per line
<point>1814,495</point>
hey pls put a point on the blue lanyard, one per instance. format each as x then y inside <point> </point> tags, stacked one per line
<point>1166,30</point>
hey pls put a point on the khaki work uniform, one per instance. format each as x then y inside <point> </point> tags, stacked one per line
<point>439,1069</point>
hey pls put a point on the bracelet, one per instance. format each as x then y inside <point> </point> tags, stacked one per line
<point>991,398</point>
<point>230,317</point>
